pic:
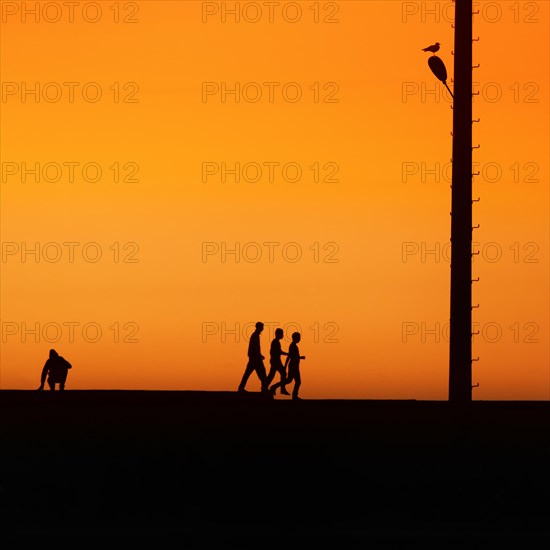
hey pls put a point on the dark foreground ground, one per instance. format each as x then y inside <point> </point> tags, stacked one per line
<point>215,470</point>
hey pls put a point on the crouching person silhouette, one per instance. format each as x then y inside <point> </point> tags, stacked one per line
<point>56,369</point>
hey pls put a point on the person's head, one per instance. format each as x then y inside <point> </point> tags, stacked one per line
<point>296,337</point>
<point>53,353</point>
<point>279,333</point>
<point>259,326</point>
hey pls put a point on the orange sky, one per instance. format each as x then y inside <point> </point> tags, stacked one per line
<point>357,260</point>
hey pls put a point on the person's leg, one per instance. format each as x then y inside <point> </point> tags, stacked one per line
<point>260,371</point>
<point>275,368</point>
<point>297,384</point>
<point>283,381</point>
<point>51,383</point>
<point>272,373</point>
<point>282,384</point>
<point>246,375</point>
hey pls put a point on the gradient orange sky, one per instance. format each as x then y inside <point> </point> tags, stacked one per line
<point>167,305</point>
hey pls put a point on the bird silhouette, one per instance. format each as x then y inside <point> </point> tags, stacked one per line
<point>434,48</point>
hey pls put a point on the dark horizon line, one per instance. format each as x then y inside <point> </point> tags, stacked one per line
<point>254,395</point>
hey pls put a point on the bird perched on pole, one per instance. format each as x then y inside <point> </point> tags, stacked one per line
<point>433,48</point>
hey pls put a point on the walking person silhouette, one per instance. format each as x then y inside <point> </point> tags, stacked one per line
<point>277,366</point>
<point>255,360</point>
<point>56,369</point>
<point>293,363</point>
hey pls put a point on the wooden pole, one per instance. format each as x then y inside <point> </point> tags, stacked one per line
<point>460,349</point>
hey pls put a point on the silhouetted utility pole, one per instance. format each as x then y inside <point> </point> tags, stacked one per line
<point>460,351</point>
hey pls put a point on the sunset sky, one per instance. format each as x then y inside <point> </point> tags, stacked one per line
<point>132,247</point>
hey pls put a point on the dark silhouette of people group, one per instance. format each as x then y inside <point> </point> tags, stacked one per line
<point>56,368</point>
<point>256,363</point>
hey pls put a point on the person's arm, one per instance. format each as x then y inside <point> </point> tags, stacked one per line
<point>254,347</point>
<point>43,375</point>
<point>291,354</point>
<point>259,348</point>
<point>276,348</point>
